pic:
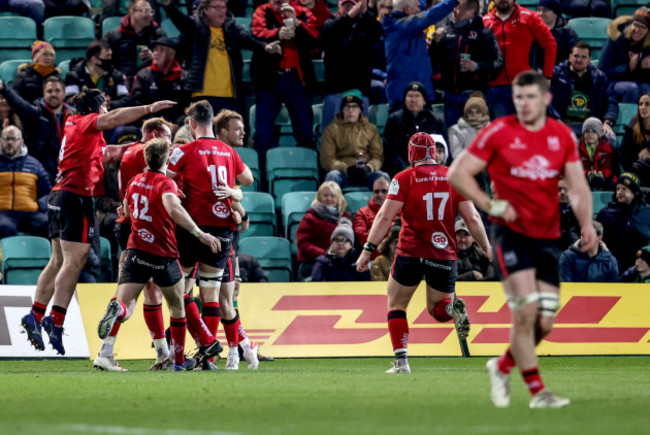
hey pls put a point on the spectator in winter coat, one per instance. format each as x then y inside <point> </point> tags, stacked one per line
<point>465,57</point>
<point>131,42</point>
<point>475,117</point>
<point>626,56</point>
<point>597,156</point>
<point>351,149</point>
<point>640,272</point>
<point>516,28</point>
<point>24,187</point>
<point>580,90</point>
<point>416,116</point>
<point>635,149</point>
<point>30,76</point>
<point>594,265</point>
<point>406,51</point>
<point>318,223</point>
<point>626,220</point>
<point>365,216</point>
<point>473,264</point>
<point>339,263</point>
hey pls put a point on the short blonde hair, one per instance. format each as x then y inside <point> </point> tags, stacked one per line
<point>335,189</point>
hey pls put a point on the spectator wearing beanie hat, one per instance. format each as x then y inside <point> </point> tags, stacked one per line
<point>416,116</point>
<point>640,272</point>
<point>566,37</point>
<point>30,76</point>
<point>475,117</point>
<point>626,56</point>
<point>626,220</point>
<point>597,156</point>
<point>339,263</point>
<point>351,151</point>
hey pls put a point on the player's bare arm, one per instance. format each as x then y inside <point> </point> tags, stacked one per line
<point>126,115</point>
<point>222,192</point>
<point>580,197</point>
<point>176,211</point>
<point>236,207</point>
<point>246,177</point>
<point>475,226</point>
<point>380,227</point>
<point>461,176</point>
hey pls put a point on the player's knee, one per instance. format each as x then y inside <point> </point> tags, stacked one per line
<point>211,280</point>
<point>549,304</point>
<point>524,310</point>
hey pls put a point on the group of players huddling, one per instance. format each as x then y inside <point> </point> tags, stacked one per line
<point>525,156</point>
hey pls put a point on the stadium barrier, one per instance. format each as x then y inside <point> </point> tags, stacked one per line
<point>349,319</point>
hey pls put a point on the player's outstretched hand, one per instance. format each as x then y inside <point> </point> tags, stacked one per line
<point>211,241</point>
<point>588,238</point>
<point>362,261</point>
<point>162,105</point>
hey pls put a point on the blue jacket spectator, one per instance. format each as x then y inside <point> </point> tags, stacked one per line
<point>576,266</point>
<point>406,52</point>
<point>339,263</point>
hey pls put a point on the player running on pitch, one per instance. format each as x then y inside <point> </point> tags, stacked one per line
<point>525,156</point>
<point>153,205</point>
<point>426,245</point>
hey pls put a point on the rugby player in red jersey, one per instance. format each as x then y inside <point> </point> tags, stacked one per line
<point>132,164</point>
<point>71,210</point>
<point>209,168</point>
<point>152,202</point>
<point>426,245</point>
<point>525,156</point>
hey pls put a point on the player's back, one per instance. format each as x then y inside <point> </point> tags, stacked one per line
<point>152,229</point>
<point>203,165</point>
<point>428,213</point>
<point>133,163</point>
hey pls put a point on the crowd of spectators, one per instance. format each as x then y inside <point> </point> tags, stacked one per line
<point>408,54</point>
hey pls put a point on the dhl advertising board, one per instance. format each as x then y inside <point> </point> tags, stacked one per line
<point>349,319</point>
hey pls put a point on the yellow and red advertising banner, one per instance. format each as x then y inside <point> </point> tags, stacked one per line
<point>349,319</point>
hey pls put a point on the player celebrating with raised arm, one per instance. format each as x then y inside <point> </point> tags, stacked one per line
<point>208,168</point>
<point>152,202</point>
<point>525,156</point>
<point>426,245</point>
<point>70,208</point>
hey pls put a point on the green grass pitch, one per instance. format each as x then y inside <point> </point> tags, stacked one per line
<point>610,395</point>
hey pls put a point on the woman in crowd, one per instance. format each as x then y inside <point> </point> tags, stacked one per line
<point>635,149</point>
<point>30,76</point>
<point>475,117</point>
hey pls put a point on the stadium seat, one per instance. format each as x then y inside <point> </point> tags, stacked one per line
<point>245,22</point>
<point>600,200</point>
<point>169,28</point>
<point>592,30</point>
<point>69,35</point>
<point>282,122</point>
<point>626,7</point>
<point>378,115</point>
<point>626,112</point>
<point>106,272</point>
<point>294,206</point>
<point>23,258</point>
<point>273,254</point>
<point>356,200</point>
<point>319,70</point>
<point>65,68</point>
<point>291,170</point>
<point>251,159</point>
<point>109,24</point>
<point>17,34</point>
<point>260,208</point>
<point>439,112</point>
<point>8,69</point>
<point>529,4</point>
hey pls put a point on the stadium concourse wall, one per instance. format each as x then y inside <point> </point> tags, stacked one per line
<point>349,320</point>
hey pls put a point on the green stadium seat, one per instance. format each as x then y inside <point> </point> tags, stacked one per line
<point>246,73</point>
<point>626,7</point>
<point>319,70</point>
<point>529,4</point>
<point>294,207</point>
<point>8,69</point>
<point>439,112</point>
<point>378,115</point>
<point>626,112</point>
<point>23,259</point>
<point>69,35</point>
<point>260,208</point>
<point>291,170</point>
<point>283,125</point>
<point>65,68</point>
<point>110,23</point>
<point>251,159</point>
<point>592,30</point>
<point>245,22</point>
<point>273,254</point>
<point>356,200</point>
<point>106,272</point>
<point>600,200</point>
<point>17,34</point>
<point>169,28</point>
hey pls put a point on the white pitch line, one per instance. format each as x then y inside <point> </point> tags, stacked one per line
<point>87,428</point>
